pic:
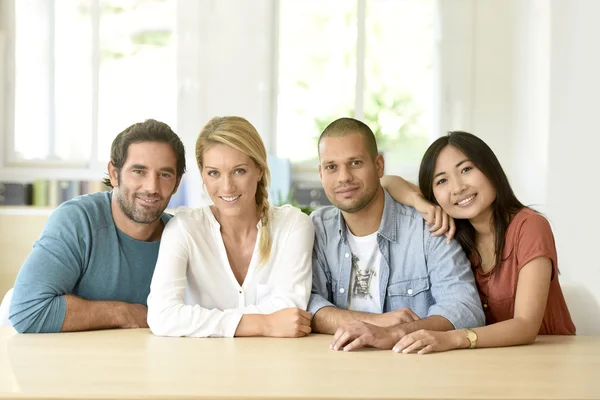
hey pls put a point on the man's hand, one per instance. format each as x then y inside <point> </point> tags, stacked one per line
<point>395,317</point>
<point>361,334</point>
<point>132,315</point>
<point>289,322</point>
<point>438,221</point>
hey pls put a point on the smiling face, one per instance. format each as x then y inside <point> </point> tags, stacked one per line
<point>231,178</point>
<point>146,182</point>
<point>349,174</point>
<point>459,187</point>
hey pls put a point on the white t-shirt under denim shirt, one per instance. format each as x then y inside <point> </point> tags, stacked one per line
<point>364,279</point>
<point>194,291</point>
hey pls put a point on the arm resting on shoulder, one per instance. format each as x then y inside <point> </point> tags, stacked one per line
<point>401,190</point>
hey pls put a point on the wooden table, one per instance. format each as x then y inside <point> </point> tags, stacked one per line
<point>136,364</point>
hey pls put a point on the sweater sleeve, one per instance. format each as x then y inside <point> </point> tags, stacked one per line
<point>51,270</point>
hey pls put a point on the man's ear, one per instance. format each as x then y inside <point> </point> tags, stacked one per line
<point>379,165</point>
<point>113,174</point>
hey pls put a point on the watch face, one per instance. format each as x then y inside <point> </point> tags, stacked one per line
<point>472,336</point>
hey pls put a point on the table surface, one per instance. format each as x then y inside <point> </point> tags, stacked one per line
<point>135,364</point>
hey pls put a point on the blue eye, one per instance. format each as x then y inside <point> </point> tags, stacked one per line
<point>239,171</point>
<point>212,173</point>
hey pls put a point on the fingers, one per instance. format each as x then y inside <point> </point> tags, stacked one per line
<point>355,344</point>
<point>305,314</point>
<point>414,346</point>
<point>341,339</point>
<point>304,330</point>
<point>408,340</point>
<point>412,314</point>
<point>443,224</point>
<point>452,230</point>
<point>437,223</point>
<point>429,216</point>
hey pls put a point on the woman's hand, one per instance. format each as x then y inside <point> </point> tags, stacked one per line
<point>438,221</point>
<point>289,322</point>
<point>424,342</point>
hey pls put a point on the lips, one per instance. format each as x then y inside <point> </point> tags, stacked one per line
<point>346,190</point>
<point>148,200</point>
<point>230,199</point>
<point>466,200</point>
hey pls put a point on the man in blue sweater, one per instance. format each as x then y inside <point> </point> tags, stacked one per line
<point>92,265</point>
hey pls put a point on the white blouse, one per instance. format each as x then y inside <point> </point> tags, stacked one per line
<point>194,291</point>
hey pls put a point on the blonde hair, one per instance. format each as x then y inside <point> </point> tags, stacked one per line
<point>240,134</point>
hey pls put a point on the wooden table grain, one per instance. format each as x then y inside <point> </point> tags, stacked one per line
<point>134,364</point>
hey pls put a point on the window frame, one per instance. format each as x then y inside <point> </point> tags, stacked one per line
<point>13,169</point>
<point>305,171</point>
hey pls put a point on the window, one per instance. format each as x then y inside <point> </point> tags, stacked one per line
<point>83,71</point>
<point>370,59</point>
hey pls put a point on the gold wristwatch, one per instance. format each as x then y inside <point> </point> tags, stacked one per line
<point>472,336</point>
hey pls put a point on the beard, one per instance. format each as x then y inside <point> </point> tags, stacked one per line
<point>354,205</point>
<point>136,212</point>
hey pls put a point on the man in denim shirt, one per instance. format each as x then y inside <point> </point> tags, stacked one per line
<point>378,273</point>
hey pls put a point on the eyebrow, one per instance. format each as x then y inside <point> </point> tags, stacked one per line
<point>349,159</point>
<point>141,166</point>
<point>456,166</point>
<point>234,167</point>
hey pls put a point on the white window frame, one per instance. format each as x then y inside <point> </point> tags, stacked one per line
<point>21,171</point>
<point>449,93</point>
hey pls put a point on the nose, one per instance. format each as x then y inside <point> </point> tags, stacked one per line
<point>151,183</point>
<point>228,184</point>
<point>458,187</point>
<point>344,174</point>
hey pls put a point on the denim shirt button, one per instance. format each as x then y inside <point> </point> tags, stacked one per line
<point>409,291</point>
<point>342,290</point>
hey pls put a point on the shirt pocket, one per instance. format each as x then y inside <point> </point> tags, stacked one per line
<point>411,293</point>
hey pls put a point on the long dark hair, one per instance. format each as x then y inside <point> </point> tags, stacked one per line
<point>504,207</point>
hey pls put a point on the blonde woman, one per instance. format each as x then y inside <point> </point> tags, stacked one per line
<point>240,267</point>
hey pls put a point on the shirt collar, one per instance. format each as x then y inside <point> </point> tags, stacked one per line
<point>387,228</point>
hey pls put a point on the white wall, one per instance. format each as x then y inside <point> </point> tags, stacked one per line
<point>531,93</point>
<point>574,142</point>
<point>229,73</point>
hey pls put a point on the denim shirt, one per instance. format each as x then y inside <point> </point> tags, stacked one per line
<point>418,270</point>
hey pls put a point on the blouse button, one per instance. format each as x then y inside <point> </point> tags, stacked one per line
<point>342,290</point>
<point>409,291</point>
<point>347,255</point>
<point>240,292</point>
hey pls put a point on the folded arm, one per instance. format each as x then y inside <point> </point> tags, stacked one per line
<point>530,304</point>
<point>168,315</point>
<point>42,298</point>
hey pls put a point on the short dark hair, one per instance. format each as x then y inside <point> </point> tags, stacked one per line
<point>150,130</point>
<point>345,126</point>
<point>481,155</point>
